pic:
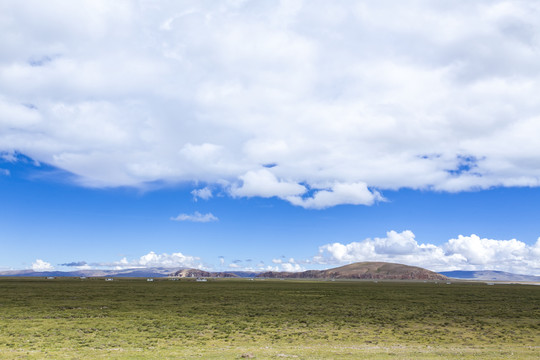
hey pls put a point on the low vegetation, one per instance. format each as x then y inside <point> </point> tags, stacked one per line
<point>266,319</point>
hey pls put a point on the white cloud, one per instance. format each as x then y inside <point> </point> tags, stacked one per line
<point>196,217</point>
<point>354,194</point>
<point>175,259</point>
<point>4,172</point>
<point>198,92</point>
<point>264,183</point>
<point>285,265</point>
<point>40,265</point>
<point>292,267</point>
<point>8,156</point>
<point>464,253</point>
<point>152,259</point>
<point>479,251</point>
<point>204,193</point>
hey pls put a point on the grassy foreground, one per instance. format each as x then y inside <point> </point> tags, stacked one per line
<point>232,319</point>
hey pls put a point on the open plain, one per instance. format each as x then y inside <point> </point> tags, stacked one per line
<point>68,318</point>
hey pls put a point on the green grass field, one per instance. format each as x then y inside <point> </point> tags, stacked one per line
<point>233,319</point>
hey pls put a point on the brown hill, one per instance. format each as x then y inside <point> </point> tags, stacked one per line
<point>363,270</point>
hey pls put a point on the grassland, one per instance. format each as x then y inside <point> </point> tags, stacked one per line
<point>231,319</point>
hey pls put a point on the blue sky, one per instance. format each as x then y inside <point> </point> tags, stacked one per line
<point>49,218</point>
<point>279,135</point>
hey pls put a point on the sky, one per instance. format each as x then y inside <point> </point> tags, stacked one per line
<point>269,135</point>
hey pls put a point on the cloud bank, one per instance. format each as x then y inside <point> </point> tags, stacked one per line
<point>174,260</point>
<point>464,253</point>
<point>342,98</point>
<point>461,253</point>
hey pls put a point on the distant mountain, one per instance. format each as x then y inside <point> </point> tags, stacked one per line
<point>245,274</point>
<point>138,272</point>
<point>490,275</point>
<point>363,270</point>
<point>196,273</point>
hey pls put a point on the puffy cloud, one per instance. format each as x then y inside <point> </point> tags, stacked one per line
<point>479,251</point>
<point>4,172</point>
<point>285,265</point>
<point>204,193</point>
<point>40,265</point>
<point>354,194</point>
<point>196,217</point>
<point>129,93</point>
<point>292,267</point>
<point>176,259</point>
<point>152,259</point>
<point>264,183</point>
<point>464,253</point>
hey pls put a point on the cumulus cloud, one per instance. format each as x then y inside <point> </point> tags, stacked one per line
<point>152,259</point>
<point>198,92</point>
<point>264,183</point>
<point>196,217</point>
<point>354,194</point>
<point>176,259</point>
<point>292,267</point>
<point>204,193</point>
<point>285,265</point>
<point>464,253</point>
<point>40,265</point>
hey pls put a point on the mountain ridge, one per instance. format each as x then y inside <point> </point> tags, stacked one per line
<point>359,270</point>
<point>132,272</point>
<point>363,270</point>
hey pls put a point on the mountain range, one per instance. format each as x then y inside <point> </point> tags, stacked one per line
<point>137,272</point>
<point>361,270</point>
